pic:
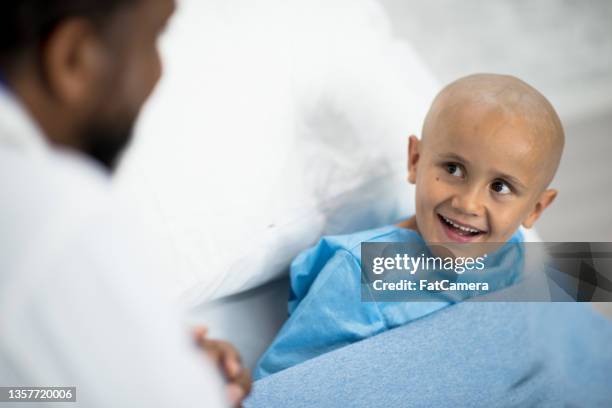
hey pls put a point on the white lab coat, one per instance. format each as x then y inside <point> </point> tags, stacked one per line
<point>78,302</point>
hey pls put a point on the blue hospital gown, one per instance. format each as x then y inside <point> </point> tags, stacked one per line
<point>325,307</point>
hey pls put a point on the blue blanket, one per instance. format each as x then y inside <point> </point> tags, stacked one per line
<point>469,354</point>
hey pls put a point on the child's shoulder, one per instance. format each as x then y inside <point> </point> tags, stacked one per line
<point>338,257</point>
<point>352,242</point>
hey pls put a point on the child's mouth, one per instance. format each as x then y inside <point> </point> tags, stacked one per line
<point>459,232</point>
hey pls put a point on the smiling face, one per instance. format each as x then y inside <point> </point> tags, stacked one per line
<point>480,171</point>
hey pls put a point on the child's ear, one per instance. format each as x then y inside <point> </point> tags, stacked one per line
<point>413,157</point>
<point>546,199</point>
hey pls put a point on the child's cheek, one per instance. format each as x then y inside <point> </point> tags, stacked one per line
<point>504,222</point>
<point>431,192</point>
<point>437,190</point>
<point>427,194</point>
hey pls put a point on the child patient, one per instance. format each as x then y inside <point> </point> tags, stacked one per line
<point>489,149</point>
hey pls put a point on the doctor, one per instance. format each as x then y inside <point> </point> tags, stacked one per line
<point>77,304</point>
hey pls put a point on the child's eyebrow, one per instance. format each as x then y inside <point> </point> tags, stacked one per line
<point>454,156</point>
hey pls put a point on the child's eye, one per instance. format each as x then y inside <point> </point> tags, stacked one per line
<point>501,187</point>
<point>454,170</point>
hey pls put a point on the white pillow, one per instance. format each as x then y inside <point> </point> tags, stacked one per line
<point>276,121</point>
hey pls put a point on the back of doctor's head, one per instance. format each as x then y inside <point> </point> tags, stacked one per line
<point>83,68</point>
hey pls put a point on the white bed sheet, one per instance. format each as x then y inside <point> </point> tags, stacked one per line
<point>249,320</point>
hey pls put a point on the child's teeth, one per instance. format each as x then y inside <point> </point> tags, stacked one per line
<point>460,227</point>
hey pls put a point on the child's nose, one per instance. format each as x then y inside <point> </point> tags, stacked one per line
<point>468,202</point>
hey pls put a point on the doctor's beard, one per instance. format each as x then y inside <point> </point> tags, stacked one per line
<point>105,140</point>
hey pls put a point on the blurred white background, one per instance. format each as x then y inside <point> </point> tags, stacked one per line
<point>564,49</point>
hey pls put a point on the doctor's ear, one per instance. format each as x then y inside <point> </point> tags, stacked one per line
<point>546,199</point>
<point>414,147</point>
<point>74,59</point>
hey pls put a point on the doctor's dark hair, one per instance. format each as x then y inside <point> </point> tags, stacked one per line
<point>26,24</point>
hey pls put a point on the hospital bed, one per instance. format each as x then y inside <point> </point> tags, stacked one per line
<point>251,319</point>
<point>469,354</point>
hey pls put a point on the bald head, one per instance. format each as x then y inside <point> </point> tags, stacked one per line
<point>512,99</point>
